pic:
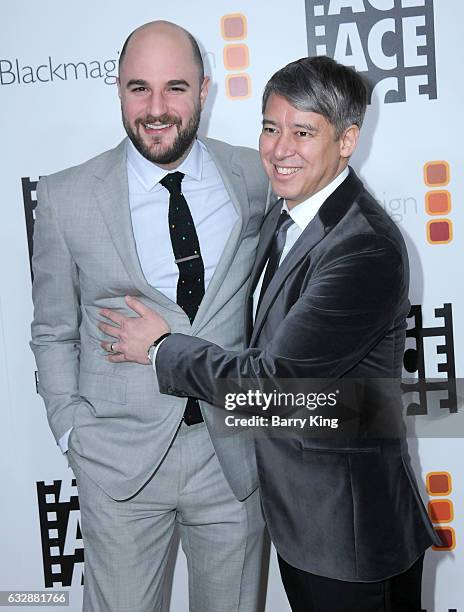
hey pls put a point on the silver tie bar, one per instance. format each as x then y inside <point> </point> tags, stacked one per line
<point>187,258</point>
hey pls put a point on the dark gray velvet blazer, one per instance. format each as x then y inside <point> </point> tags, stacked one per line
<point>344,507</point>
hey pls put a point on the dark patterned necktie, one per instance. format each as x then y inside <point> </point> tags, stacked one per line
<point>187,255</point>
<point>275,251</point>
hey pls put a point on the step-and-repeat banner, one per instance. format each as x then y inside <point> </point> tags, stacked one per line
<point>59,106</point>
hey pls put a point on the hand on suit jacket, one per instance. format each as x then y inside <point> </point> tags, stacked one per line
<point>133,335</point>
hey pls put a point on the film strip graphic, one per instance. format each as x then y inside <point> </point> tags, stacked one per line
<point>414,361</point>
<point>30,202</point>
<point>62,546</point>
<point>449,610</point>
<point>29,188</point>
<point>438,202</point>
<point>236,56</point>
<point>441,511</point>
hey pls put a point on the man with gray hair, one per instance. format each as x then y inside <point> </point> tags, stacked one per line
<point>328,300</point>
<point>174,220</point>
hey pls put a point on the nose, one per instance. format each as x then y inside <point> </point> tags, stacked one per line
<point>283,146</point>
<point>156,104</point>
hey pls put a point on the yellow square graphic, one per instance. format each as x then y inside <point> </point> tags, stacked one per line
<point>447,536</point>
<point>438,483</point>
<point>436,173</point>
<point>236,57</point>
<point>238,86</point>
<point>441,510</point>
<point>439,231</point>
<point>234,26</point>
<point>438,202</point>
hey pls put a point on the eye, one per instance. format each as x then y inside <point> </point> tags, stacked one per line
<point>140,88</point>
<point>303,133</point>
<point>176,89</point>
<point>269,130</point>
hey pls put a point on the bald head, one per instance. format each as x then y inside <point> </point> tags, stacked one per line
<point>166,30</point>
<point>162,91</point>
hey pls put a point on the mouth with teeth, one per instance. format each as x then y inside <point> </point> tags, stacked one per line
<point>286,170</point>
<point>157,127</point>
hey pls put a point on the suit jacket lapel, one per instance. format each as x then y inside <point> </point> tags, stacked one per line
<point>312,235</point>
<point>217,294</point>
<point>112,196</point>
<point>265,239</point>
<point>329,214</point>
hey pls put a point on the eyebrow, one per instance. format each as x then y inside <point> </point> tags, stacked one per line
<point>140,82</point>
<point>305,126</point>
<point>143,83</point>
<point>175,82</point>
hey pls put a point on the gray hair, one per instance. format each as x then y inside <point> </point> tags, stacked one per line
<point>321,85</point>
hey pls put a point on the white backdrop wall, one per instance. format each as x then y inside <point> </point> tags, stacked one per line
<point>54,116</point>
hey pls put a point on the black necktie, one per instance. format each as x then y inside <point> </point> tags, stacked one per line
<point>275,251</point>
<point>187,255</point>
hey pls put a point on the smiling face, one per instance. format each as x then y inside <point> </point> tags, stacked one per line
<point>161,94</point>
<point>299,150</point>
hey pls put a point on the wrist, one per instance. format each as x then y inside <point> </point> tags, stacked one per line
<point>153,346</point>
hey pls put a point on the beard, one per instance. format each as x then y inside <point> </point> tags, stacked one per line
<point>181,143</point>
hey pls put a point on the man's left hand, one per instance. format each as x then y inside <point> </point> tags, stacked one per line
<point>132,335</point>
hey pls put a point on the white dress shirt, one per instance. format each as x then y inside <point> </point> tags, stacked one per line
<point>212,210</point>
<point>301,214</point>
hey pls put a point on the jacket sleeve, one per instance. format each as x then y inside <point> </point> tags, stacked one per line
<point>343,310</point>
<point>55,327</point>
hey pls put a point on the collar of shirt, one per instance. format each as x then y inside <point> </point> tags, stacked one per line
<point>149,174</point>
<point>304,212</point>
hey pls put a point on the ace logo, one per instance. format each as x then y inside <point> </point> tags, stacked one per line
<point>30,202</point>
<point>390,42</point>
<point>442,387</point>
<point>62,546</point>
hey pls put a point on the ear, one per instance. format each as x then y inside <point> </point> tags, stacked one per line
<point>348,141</point>
<point>204,91</point>
<point>118,82</point>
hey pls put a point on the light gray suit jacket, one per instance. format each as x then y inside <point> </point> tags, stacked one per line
<point>84,259</point>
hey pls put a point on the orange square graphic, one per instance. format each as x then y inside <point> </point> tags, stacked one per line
<point>436,173</point>
<point>438,202</point>
<point>234,26</point>
<point>238,86</point>
<point>438,483</point>
<point>447,537</point>
<point>441,510</point>
<point>236,57</point>
<point>440,231</point>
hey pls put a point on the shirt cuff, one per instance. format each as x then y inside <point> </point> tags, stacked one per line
<point>63,441</point>
<point>155,352</point>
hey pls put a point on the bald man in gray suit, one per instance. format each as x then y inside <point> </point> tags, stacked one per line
<point>146,462</point>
